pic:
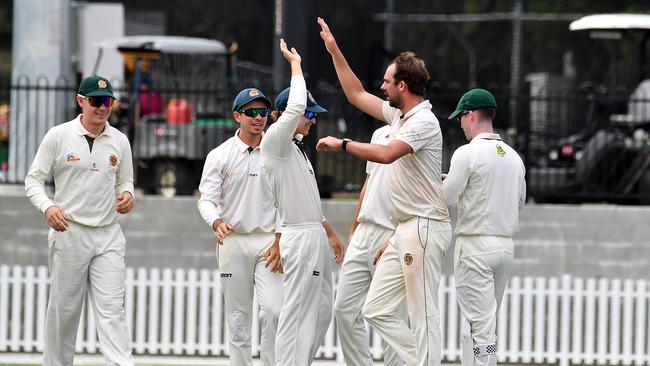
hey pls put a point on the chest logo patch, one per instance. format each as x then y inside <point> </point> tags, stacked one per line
<point>112,160</point>
<point>408,259</point>
<point>71,157</point>
<point>500,151</point>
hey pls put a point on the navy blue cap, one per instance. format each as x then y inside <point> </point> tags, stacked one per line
<point>248,95</point>
<point>282,99</point>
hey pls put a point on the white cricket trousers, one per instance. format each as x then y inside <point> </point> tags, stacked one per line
<point>243,272</point>
<point>482,268</point>
<point>307,310</point>
<point>86,258</point>
<point>354,280</point>
<point>410,269</point>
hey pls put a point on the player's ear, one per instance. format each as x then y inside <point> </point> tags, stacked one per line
<point>236,116</point>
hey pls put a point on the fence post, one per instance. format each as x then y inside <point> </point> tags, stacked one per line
<point>540,319</point>
<point>602,320</point>
<point>641,333</point>
<point>565,325</point>
<point>42,290</point>
<point>577,328</point>
<point>28,314</point>
<point>154,309</point>
<point>16,307</point>
<point>179,298</point>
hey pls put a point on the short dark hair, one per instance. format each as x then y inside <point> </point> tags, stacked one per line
<point>487,113</point>
<point>412,70</point>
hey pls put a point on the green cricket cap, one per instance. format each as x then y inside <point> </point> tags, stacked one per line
<point>474,99</point>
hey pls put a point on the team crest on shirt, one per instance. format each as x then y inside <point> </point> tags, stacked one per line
<point>71,157</point>
<point>112,160</point>
<point>408,258</point>
<point>500,151</point>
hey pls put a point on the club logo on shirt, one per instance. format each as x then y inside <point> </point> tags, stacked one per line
<point>226,275</point>
<point>316,273</point>
<point>500,151</point>
<point>408,259</point>
<point>71,157</point>
<point>112,160</point>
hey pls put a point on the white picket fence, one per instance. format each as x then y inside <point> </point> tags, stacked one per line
<point>179,312</point>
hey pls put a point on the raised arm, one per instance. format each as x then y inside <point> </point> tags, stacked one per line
<point>281,132</point>
<point>352,87</point>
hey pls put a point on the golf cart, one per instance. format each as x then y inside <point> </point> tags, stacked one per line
<point>176,108</point>
<point>610,158</point>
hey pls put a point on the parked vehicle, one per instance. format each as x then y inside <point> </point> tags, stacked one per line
<point>187,83</point>
<point>609,161</point>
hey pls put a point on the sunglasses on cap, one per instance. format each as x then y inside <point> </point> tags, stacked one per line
<point>310,115</point>
<point>253,112</point>
<point>99,101</point>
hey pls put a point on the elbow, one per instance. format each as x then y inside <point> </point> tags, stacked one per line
<point>387,158</point>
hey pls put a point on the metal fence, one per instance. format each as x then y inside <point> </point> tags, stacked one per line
<point>579,144</point>
<point>180,312</point>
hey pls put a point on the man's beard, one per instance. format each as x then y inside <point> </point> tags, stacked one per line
<point>395,102</point>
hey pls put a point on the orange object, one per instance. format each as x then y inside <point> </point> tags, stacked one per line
<point>179,111</point>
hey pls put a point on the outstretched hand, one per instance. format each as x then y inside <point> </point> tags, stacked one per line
<point>326,35</point>
<point>291,55</point>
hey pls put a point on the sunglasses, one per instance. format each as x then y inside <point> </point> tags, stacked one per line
<point>461,115</point>
<point>253,112</point>
<point>99,101</point>
<point>310,115</point>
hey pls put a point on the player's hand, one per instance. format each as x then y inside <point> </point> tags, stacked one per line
<point>221,230</point>
<point>291,55</point>
<point>272,258</point>
<point>379,253</point>
<point>124,202</point>
<point>339,249</point>
<point>326,35</point>
<point>328,144</point>
<point>56,218</point>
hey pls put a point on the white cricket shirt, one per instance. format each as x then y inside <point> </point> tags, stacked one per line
<point>486,179</point>
<point>288,170</point>
<point>377,206</point>
<point>416,182</point>
<point>233,188</point>
<point>86,183</point>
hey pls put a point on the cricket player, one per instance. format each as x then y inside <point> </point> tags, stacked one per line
<point>238,205</point>
<point>411,267</point>
<point>370,230</point>
<point>305,253</point>
<point>486,180</point>
<point>91,164</point>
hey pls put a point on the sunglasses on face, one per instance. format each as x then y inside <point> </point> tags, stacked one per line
<point>253,112</point>
<point>310,115</point>
<point>99,101</point>
<point>460,116</point>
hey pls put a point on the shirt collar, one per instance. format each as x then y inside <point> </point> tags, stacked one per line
<point>424,104</point>
<point>241,145</point>
<point>81,130</point>
<point>487,136</point>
